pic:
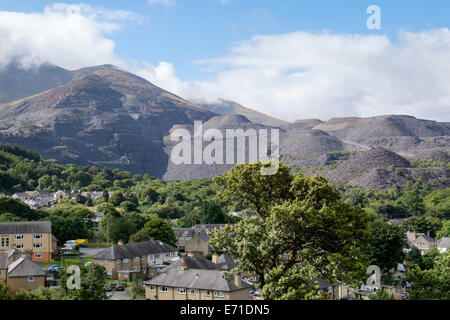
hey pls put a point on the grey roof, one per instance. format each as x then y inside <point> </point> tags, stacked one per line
<point>196,279</point>
<point>410,237</point>
<point>54,239</point>
<point>208,227</point>
<point>444,243</point>
<point>226,262</point>
<point>25,227</point>
<point>190,232</point>
<point>24,267</point>
<point>4,260</point>
<point>132,250</point>
<point>198,263</point>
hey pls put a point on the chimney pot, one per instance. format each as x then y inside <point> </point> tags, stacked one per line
<point>237,281</point>
<point>120,242</point>
<point>215,258</point>
<point>191,254</point>
<point>183,266</point>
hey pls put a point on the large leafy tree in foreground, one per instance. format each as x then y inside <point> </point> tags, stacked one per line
<point>301,232</point>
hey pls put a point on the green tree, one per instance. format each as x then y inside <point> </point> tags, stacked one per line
<point>386,245</point>
<point>158,229</point>
<point>93,282</point>
<point>445,231</point>
<point>423,224</point>
<point>414,258</point>
<point>381,295</point>
<point>302,231</point>
<point>433,284</point>
<point>5,294</point>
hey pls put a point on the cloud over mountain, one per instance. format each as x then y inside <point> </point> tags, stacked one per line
<point>290,76</point>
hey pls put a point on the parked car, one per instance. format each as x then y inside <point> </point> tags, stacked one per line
<point>54,268</point>
<point>108,287</point>
<point>120,287</point>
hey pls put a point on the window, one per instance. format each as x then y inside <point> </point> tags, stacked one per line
<point>106,262</point>
<point>18,237</point>
<point>37,245</point>
<point>207,293</point>
<point>143,259</point>
<point>109,273</point>
<point>143,269</point>
<point>30,278</point>
<point>118,261</point>
<point>188,238</point>
<point>0,273</point>
<point>192,291</point>
<point>218,294</point>
<point>181,290</point>
<point>5,242</point>
<point>37,236</point>
<point>168,254</point>
<point>158,256</point>
<point>38,255</point>
<point>152,288</point>
<point>137,259</point>
<point>163,289</point>
<point>125,260</point>
<point>174,254</point>
<point>19,245</point>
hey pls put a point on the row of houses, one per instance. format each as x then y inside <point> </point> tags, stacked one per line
<point>424,242</point>
<point>38,198</point>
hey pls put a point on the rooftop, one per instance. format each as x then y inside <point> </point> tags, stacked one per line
<point>132,250</point>
<point>25,227</point>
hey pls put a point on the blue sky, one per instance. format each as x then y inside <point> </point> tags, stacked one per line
<point>192,30</point>
<point>293,59</point>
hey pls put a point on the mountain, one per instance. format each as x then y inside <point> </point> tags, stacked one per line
<point>379,168</point>
<point>108,117</point>
<point>104,117</point>
<point>224,107</point>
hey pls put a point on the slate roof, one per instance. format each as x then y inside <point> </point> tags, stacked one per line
<point>132,250</point>
<point>24,267</point>
<point>25,227</point>
<point>226,262</point>
<point>198,263</point>
<point>410,237</point>
<point>190,232</point>
<point>196,279</point>
<point>444,243</point>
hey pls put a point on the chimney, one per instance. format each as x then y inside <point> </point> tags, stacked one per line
<point>415,234</point>
<point>215,258</point>
<point>27,254</point>
<point>428,233</point>
<point>152,239</point>
<point>237,281</point>
<point>15,255</point>
<point>183,266</point>
<point>191,254</point>
<point>120,242</point>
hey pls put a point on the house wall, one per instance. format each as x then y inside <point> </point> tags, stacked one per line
<point>196,244</point>
<point>424,245</point>
<point>172,294</point>
<point>112,267</point>
<point>3,275</point>
<point>28,242</point>
<point>17,283</point>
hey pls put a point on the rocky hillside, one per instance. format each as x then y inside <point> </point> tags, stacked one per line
<point>106,117</point>
<point>379,168</point>
<point>224,107</point>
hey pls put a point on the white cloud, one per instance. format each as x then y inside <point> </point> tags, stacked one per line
<point>66,35</point>
<point>304,75</point>
<point>291,76</point>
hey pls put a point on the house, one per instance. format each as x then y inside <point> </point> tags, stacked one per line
<point>126,262</point>
<point>443,244</point>
<point>18,271</point>
<point>421,241</point>
<point>181,282</point>
<point>35,199</point>
<point>195,239</point>
<point>60,195</point>
<point>34,236</point>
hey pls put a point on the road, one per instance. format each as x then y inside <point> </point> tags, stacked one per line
<point>120,295</point>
